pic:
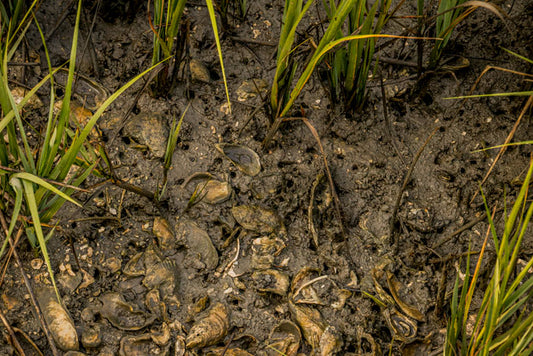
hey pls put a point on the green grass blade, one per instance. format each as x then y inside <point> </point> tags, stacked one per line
<point>34,179</point>
<point>32,206</point>
<point>213,18</point>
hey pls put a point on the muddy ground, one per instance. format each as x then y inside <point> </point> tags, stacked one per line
<point>265,268</point>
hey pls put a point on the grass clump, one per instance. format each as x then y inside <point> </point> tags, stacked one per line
<point>39,174</point>
<point>348,67</point>
<point>503,325</point>
<point>170,37</point>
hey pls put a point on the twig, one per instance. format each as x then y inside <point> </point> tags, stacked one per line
<point>13,337</point>
<point>507,140</point>
<point>251,41</point>
<point>28,287</point>
<point>326,166</point>
<point>387,120</point>
<point>458,231</point>
<point>36,305</point>
<point>394,217</point>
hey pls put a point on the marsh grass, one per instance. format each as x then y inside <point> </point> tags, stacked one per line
<point>286,85</point>
<point>450,14</point>
<point>503,324</point>
<point>349,66</point>
<point>39,175</point>
<point>170,38</point>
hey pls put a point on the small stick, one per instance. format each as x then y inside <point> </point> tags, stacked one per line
<point>394,217</point>
<point>12,335</point>
<point>36,305</point>
<point>387,120</point>
<point>28,287</point>
<point>458,231</point>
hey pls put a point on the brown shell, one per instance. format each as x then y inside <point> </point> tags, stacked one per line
<point>210,329</point>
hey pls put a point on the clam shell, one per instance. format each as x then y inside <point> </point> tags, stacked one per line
<point>256,218</point>
<point>58,320</point>
<point>123,315</point>
<point>210,329</point>
<point>271,281</point>
<point>242,157</point>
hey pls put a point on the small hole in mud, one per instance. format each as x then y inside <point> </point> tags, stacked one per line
<point>136,110</point>
<point>462,170</point>
<point>473,161</point>
<point>289,183</point>
<point>340,156</point>
<point>217,160</point>
<point>354,167</point>
<point>442,129</point>
<point>121,155</point>
<point>428,99</point>
<point>126,140</point>
<point>74,225</point>
<point>180,181</point>
<point>192,159</point>
<point>145,153</point>
<point>232,174</point>
<point>185,147</point>
<point>237,191</point>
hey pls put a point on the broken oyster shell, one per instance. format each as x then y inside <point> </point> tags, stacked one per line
<point>163,231</point>
<point>302,289</point>
<point>264,251</point>
<point>402,328</point>
<point>123,315</point>
<point>141,345</point>
<point>257,219</point>
<point>271,281</point>
<point>58,320</point>
<point>242,157</point>
<point>210,329</point>
<point>251,88</point>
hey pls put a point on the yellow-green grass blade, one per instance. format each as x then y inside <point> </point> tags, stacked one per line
<point>37,180</point>
<point>213,18</point>
<point>530,61</point>
<point>17,187</point>
<point>34,211</point>
<point>517,93</point>
<point>63,166</point>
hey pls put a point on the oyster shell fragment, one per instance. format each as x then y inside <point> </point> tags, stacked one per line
<point>210,329</point>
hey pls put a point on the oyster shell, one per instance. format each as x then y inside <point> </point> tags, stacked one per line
<point>401,327</point>
<point>91,337</point>
<point>264,251</point>
<point>257,219</point>
<point>271,281</point>
<point>58,320</point>
<point>163,231</point>
<point>310,321</point>
<point>249,89</point>
<point>141,345</point>
<point>302,289</point>
<point>210,329</point>
<point>214,191</point>
<point>242,157</point>
<point>199,243</point>
<point>219,351</point>
<point>123,315</point>
<point>148,131</point>
<point>284,339</point>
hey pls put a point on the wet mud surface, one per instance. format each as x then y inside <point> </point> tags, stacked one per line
<point>249,260</point>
